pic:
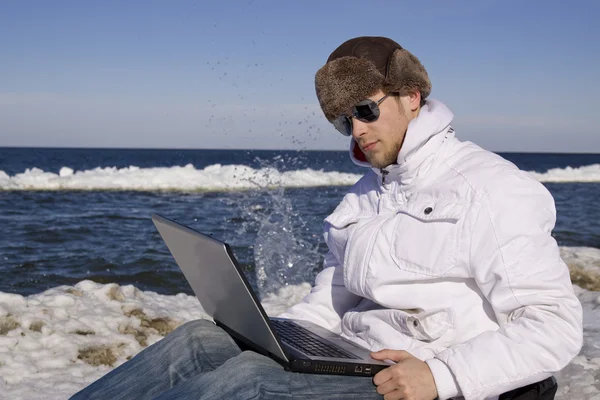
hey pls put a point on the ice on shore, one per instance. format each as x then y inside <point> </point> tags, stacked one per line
<point>54,343</point>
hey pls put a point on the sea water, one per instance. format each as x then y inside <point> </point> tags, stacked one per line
<point>86,282</point>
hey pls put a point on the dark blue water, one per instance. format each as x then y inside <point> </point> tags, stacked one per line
<point>49,238</point>
<point>16,160</point>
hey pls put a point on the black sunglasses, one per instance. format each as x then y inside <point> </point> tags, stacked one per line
<point>365,111</point>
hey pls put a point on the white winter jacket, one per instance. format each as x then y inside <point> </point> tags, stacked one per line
<point>448,255</point>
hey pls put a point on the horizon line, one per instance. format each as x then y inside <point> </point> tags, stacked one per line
<point>240,149</point>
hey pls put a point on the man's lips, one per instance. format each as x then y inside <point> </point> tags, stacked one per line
<point>368,146</point>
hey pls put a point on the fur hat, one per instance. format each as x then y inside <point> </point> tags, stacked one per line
<point>360,67</point>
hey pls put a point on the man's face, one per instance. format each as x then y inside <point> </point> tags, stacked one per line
<point>381,140</point>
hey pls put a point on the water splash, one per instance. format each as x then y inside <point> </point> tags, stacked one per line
<point>285,251</point>
<point>282,256</point>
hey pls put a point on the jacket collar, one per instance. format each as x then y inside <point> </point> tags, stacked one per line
<point>424,136</point>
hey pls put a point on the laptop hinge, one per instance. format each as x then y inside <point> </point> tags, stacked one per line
<point>246,344</point>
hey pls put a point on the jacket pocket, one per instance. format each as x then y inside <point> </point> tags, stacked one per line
<point>397,329</point>
<point>426,235</point>
<point>428,326</point>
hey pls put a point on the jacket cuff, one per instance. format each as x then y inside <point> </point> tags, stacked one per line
<point>446,384</point>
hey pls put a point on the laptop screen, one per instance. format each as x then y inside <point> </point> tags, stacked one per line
<point>212,271</point>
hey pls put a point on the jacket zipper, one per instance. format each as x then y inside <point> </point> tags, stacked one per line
<point>384,173</point>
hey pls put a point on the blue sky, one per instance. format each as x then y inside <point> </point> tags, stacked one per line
<point>519,75</point>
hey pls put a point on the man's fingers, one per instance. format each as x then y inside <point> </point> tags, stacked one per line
<point>382,377</point>
<point>395,395</point>
<point>394,355</point>
<point>406,379</point>
<point>387,387</point>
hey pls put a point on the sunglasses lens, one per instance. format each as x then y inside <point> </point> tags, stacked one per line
<point>367,111</point>
<point>343,124</point>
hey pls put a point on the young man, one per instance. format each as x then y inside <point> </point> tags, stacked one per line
<point>440,258</point>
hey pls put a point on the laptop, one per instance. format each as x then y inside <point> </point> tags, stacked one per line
<point>220,285</point>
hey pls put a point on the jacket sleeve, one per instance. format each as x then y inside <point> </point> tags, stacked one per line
<point>516,264</point>
<point>328,300</point>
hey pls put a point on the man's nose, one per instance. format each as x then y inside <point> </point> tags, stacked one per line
<point>359,128</point>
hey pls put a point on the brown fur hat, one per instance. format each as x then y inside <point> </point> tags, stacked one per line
<point>360,67</point>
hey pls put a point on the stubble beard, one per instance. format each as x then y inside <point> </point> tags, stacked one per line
<point>388,158</point>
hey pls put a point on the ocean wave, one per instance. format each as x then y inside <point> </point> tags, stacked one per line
<point>587,173</point>
<point>215,177</point>
<point>218,177</point>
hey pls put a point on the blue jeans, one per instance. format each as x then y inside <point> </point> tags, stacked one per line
<point>200,361</point>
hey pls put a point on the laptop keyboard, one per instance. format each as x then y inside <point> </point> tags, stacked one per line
<point>308,342</point>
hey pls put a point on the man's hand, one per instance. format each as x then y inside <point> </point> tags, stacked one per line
<point>409,379</point>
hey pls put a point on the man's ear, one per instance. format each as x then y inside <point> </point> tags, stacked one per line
<point>414,100</point>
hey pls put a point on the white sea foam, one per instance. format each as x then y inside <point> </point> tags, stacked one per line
<point>187,178</point>
<point>216,177</point>
<point>588,173</point>
<point>54,343</point>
